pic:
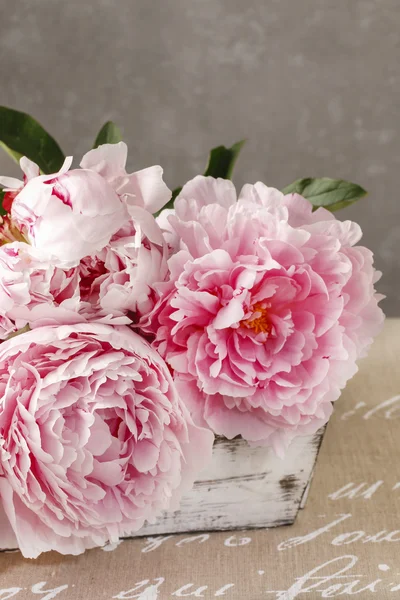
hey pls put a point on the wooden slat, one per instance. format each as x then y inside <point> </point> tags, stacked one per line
<point>245,487</point>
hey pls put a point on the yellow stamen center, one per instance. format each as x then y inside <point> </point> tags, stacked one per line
<point>9,232</point>
<point>258,320</point>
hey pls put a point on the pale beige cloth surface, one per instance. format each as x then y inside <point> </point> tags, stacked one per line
<point>345,542</point>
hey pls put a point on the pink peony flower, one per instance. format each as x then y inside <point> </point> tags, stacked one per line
<point>70,214</point>
<point>119,279</point>
<point>74,214</point>
<point>266,311</point>
<point>95,440</point>
<point>33,291</point>
<point>113,286</point>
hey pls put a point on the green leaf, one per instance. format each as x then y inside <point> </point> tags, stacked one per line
<point>108,134</point>
<point>332,194</point>
<point>222,160</point>
<point>21,135</point>
<point>220,164</point>
<point>11,153</point>
<point>175,193</point>
<point>2,211</point>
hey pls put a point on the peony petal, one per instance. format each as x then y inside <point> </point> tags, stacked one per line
<point>29,168</point>
<point>108,160</point>
<point>229,315</point>
<point>11,183</point>
<point>149,189</point>
<point>145,456</point>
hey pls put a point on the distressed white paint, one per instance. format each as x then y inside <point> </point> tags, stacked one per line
<point>244,487</point>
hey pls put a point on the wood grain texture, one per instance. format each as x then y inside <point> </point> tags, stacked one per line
<point>245,488</point>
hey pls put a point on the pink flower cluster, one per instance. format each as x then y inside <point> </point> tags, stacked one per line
<point>127,341</point>
<point>94,438</point>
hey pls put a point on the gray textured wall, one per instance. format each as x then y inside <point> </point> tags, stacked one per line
<point>313,84</point>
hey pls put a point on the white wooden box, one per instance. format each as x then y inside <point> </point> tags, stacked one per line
<point>245,488</point>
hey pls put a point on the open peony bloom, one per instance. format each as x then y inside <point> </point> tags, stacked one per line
<point>267,309</point>
<point>94,438</point>
<point>114,285</point>
<point>34,292</point>
<point>74,213</point>
<point>119,279</point>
